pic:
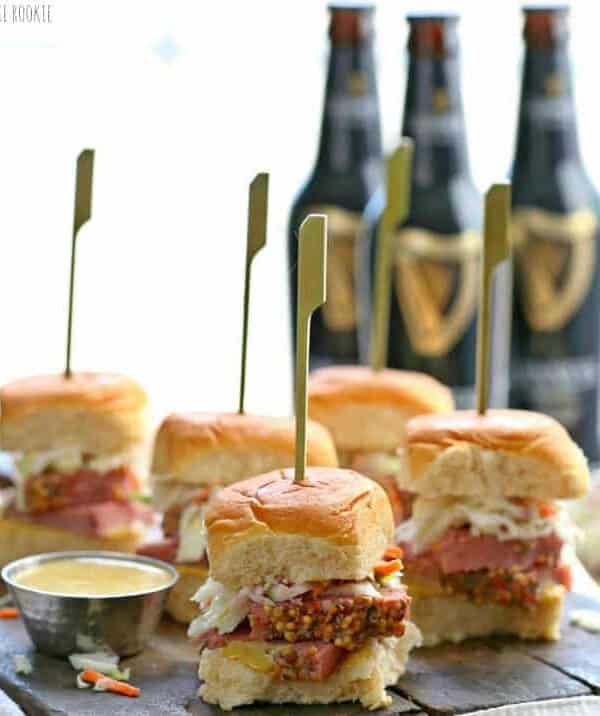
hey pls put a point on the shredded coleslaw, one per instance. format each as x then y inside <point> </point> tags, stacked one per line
<point>500,517</point>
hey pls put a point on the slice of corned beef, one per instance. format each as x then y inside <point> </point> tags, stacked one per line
<point>99,519</point>
<point>460,551</point>
<point>166,550</point>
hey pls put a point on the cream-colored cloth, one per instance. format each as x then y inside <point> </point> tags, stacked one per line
<point>9,707</point>
<point>581,706</point>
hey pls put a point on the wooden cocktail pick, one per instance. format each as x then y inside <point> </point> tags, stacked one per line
<point>496,249</point>
<point>255,240</point>
<point>312,275</point>
<point>398,174</point>
<point>81,214</point>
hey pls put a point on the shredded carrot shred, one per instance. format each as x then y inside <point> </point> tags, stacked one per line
<point>318,588</point>
<point>393,553</point>
<point>112,685</point>
<point>9,613</point>
<point>201,495</point>
<point>382,569</point>
<point>548,510</point>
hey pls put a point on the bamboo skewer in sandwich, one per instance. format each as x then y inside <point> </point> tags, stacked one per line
<point>304,603</point>
<point>484,547</point>
<point>366,407</point>
<point>197,454</point>
<point>76,439</point>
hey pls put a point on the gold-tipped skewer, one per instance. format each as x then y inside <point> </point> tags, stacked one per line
<point>312,274</point>
<point>256,238</point>
<point>81,214</point>
<point>398,174</point>
<point>496,249</point>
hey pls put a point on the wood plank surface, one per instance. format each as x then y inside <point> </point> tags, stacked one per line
<point>450,679</point>
<point>578,652</point>
<point>454,679</point>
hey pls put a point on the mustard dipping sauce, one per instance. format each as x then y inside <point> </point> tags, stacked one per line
<point>92,577</point>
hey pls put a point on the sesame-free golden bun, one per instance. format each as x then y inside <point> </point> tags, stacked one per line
<point>20,538</point>
<point>367,410</point>
<point>335,524</point>
<point>179,605</point>
<point>100,413</point>
<point>456,617</point>
<point>218,449</point>
<point>503,453</point>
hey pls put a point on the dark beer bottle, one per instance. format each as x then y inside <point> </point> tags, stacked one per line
<point>346,173</point>
<point>555,238</point>
<point>437,250</point>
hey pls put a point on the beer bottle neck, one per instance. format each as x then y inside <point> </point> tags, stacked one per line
<point>434,118</point>
<point>350,131</point>
<point>547,134</point>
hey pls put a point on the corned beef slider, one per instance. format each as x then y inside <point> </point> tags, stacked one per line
<point>76,443</point>
<point>366,411</point>
<point>483,551</point>
<point>299,606</point>
<point>196,454</point>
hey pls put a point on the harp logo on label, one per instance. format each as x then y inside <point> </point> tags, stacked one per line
<point>26,13</point>
<point>436,283</point>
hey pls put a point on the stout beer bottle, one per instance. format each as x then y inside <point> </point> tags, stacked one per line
<point>347,172</point>
<point>436,254</point>
<point>555,238</point>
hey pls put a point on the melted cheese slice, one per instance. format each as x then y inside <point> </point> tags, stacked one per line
<point>422,587</point>
<point>192,570</point>
<point>254,655</point>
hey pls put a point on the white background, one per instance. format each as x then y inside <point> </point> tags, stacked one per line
<point>184,102</point>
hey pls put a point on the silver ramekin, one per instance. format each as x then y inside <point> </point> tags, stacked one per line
<point>61,624</point>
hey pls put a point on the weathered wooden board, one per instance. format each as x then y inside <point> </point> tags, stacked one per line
<point>454,679</point>
<point>577,653</point>
<point>450,679</point>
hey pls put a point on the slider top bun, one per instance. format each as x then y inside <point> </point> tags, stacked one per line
<point>100,413</point>
<point>333,525</point>
<point>504,453</point>
<point>218,449</point>
<point>367,410</point>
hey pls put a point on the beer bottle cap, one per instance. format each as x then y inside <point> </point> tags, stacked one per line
<point>351,23</point>
<point>545,25</point>
<point>432,35</point>
<point>351,6</point>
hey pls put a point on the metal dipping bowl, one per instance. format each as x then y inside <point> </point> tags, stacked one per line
<point>63,624</point>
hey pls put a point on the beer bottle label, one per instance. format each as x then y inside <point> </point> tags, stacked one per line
<point>442,122</point>
<point>343,227</point>
<point>355,104</point>
<point>553,107</point>
<point>436,284</point>
<point>556,258</point>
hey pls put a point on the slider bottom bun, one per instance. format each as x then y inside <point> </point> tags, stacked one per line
<point>23,539</point>
<point>455,618</point>
<point>191,577</point>
<point>363,677</point>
